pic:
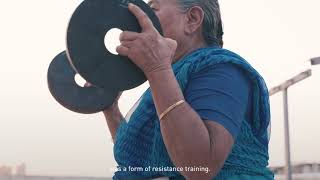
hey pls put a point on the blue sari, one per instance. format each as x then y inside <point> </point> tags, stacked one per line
<point>139,141</point>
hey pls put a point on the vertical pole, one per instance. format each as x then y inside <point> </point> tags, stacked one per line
<point>287,135</point>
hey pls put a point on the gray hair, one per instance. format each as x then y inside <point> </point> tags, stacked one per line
<point>212,24</point>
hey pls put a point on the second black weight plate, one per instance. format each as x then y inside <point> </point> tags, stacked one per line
<point>63,87</point>
<point>85,42</point>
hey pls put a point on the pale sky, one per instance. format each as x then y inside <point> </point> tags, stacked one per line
<point>276,36</point>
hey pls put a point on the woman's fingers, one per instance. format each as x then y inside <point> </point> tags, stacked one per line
<point>142,17</point>
<point>128,36</point>
<point>122,50</point>
<point>124,47</point>
<point>87,84</point>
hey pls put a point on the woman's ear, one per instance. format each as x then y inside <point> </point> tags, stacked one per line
<point>194,17</point>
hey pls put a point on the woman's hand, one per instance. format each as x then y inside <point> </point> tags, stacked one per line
<point>114,107</point>
<point>148,50</point>
<point>112,114</point>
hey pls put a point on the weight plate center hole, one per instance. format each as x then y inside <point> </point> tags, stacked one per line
<point>111,40</point>
<point>79,80</point>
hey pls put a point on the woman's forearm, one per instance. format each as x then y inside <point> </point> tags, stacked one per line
<point>113,117</point>
<point>185,135</point>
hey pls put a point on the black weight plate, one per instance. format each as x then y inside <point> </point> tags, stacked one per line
<point>62,85</point>
<point>85,42</point>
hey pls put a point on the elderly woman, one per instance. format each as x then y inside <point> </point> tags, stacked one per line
<point>206,113</point>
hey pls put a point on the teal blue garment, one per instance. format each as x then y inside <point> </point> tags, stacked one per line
<point>139,141</point>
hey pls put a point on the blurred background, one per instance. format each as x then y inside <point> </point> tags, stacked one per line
<point>38,137</point>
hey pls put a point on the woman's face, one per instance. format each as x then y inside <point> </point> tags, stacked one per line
<point>171,17</point>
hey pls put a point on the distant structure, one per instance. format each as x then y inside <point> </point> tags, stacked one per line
<point>49,178</point>
<point>21,170</point>
<point>19,173</point>
<point>302,168</point>
<point>5,171</point>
